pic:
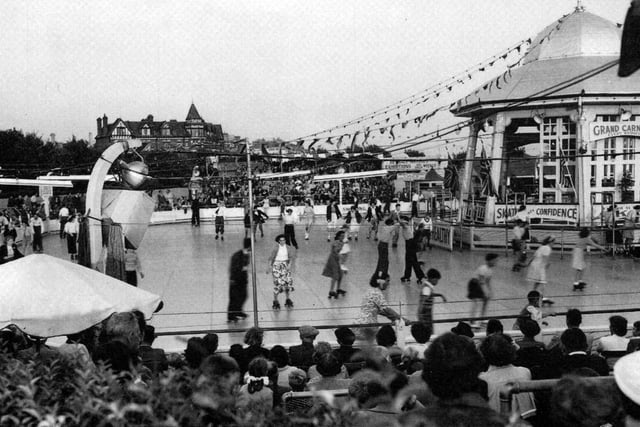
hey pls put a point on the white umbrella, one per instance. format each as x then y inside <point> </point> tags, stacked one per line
<point>46,296</point>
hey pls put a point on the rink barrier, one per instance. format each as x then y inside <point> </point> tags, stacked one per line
<point>546,333</point>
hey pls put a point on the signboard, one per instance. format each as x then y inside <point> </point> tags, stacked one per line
<point>602,130</point>
<point>546,212</point>
<point>407,165</point>
<point>45,191</point>
<point>442,236</point>
<point>410,176</point>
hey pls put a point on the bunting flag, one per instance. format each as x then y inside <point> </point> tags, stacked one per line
<point>263,148</point>
<point>243,149</point>
<point>299,144</point>
<point>451,179</point>
<point>353,140</point>
<point>485,175</point>
<point>314,142</point>
<point>393,136</point>
<point>339,143</point>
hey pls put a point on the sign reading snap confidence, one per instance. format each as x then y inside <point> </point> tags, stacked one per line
<point>601,130</point>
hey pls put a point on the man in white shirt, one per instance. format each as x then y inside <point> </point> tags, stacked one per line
<point>63,217</point>
<point>218,219</point>
<point>614,342</point>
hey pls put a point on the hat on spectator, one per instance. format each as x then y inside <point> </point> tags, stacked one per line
<point>627,374</point>
<point>297,377</point>
<point>307,331</point>
<point>463,329</point>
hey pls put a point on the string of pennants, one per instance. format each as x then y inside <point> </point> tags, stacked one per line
<point>397,116</point>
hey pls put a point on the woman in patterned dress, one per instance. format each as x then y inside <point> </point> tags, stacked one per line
<point>280,266</point>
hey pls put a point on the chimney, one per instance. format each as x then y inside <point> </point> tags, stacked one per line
<point>52,137</point>
<point>105,122</point>
<point>90,140</point>
<point>99,123</point>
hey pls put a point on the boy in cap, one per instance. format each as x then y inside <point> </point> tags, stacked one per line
<point>301,355</point>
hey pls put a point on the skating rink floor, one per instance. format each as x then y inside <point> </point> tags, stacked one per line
<point>189,269</point>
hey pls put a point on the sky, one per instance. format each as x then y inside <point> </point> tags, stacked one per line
<point>261,69</point>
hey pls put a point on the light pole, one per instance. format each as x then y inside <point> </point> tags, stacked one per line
<point>251,236</point>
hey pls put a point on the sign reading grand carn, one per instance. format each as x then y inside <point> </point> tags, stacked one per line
<point>602,130</point>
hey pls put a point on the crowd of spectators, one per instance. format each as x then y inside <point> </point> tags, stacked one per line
<point>290,191</point>
<point>452,380</point>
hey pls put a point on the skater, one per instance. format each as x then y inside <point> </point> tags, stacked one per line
<point>395,216</point>
<point>132,264</point>
<point>519,245</point>
<point>259,218</point>
<point>384,236</point>
<point>425,227</point>
<point>373,217</point>
<point>532,311</point>
<point>63,217</point>
<point>36,227</point>
<point>538,267</point>
<point>332,268</point>
<point>308,216</point>
<point>289,228</point>
<point>577,257</point>
<point>281,263</point>
<point>344,256</point>
<point>238,280</point>
<point>427,296</point>
<point>353,218</point>
<point>195,211</point>
<point>411,251</point>
<point>218,219</point>
<point>71,229</point>
<point>479,289</point>
<point>374,304</point>
<point>415,199</point>
<point>333,215</point>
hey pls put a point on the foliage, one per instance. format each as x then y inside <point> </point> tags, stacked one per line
<point>414,153</point>
<point>27,155</point>
<point>59,392</point>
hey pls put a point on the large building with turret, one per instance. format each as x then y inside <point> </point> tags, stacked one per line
<point>193,134</point>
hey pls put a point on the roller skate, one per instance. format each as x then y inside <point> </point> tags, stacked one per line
<point>288,303</point>
<point>579,286</point>
<point>276,305</point>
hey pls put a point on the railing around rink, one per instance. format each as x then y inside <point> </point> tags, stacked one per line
<point>402,310</point>
<point>485,236</point>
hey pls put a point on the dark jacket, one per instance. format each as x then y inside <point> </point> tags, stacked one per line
<point>301,355</point>
<point>331,210</point>
<point>572,362</point>
<point>153,358</point>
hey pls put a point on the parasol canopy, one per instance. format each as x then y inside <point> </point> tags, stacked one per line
<point>46,296</point>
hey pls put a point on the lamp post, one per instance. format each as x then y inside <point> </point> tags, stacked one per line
<point>251,236</point>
